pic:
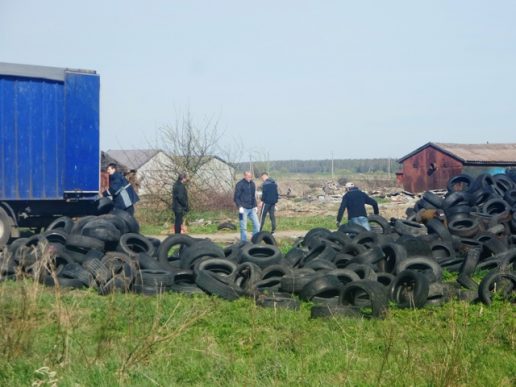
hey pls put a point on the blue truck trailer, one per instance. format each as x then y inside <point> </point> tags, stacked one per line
<point>49,150</point>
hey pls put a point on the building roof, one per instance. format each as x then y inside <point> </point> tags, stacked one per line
<point>473,154</point>
<point>132,158</point>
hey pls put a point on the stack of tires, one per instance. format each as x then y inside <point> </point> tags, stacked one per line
<point>351,271</point>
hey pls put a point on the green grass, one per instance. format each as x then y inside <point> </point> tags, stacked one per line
<point>283,223</point>
<point>79,338</point>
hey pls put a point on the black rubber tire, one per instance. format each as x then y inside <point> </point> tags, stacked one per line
<point>320,264</point>
<point>220,266</point>
<point>233,252</point>
<point>101,229</point>
<point>116,221</point>
<point>159,279</point>
<point>183,241</point>
<point>409,289</point>
<point>246,276</point>
<point>84,242</point>
<point>278,270</point>
<point>327,286</point>
<point>121,265</point>
<point>345,276</point>
<point>98,270</point>
<point>261,255</point>
<point>428,266</point>
<point>457,198</point>
<point>364,271</point>
<point>131,222</point>
<point>145,261</point>
<point>464,228</point>
<point>393,254</point>
<point>277,301</point>
<point>213,284</point>
<point>415,246</point>
<point>463,178</point>
<point>64,223</point>
<point>80,223</point>
<point>386,279</point>
<point>373,293</point>
<point>294,282</point>
<point>264,237</point>
<point>435,226</point>
<point>311,238</point>
<point>75,270</point>
<point>369,257</point>
<point>199,250</point>
<point>433,199</point>
<point>104,205</point>
<point>58,236</point>
<point>467,282</point>
<point>294,256</point>
<point>441,250</point>
<point>351,229</point>
<point>320,251</point>
<point>501,283</point>
<point>470,262</point>
<point>268,286</point>
<point>508,262</point>
<point>405,227</point>
<point>133,244</point>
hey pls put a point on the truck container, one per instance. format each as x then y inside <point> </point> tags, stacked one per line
<point>49,150</point>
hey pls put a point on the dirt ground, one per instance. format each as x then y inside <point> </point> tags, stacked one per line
<point>321,197</point>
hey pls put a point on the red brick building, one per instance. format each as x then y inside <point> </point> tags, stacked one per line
<point>433,164</point>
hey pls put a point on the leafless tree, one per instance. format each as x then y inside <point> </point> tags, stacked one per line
<point>196,149</point>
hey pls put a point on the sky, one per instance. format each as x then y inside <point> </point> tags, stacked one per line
<point>284,79</point>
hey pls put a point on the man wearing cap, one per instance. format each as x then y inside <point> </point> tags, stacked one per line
<point>354,201</point>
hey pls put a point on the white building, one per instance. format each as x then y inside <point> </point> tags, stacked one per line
<point>156,171</point>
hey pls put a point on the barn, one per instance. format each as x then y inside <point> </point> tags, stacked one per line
<point>433,164</point>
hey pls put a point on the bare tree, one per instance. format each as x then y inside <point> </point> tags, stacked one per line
<point>195,149</point>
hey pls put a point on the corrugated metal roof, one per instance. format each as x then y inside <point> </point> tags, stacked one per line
<point>133,158</point>
<point>496,154</point>
<point>41,72</point>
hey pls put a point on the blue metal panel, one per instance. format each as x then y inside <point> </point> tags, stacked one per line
<point>49,134</point>
<point>31,127</point>
<point>82,169</point>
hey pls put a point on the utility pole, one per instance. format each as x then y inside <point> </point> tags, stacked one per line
<point>332,166</point>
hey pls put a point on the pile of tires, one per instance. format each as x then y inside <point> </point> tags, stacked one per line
<point>350,271</point>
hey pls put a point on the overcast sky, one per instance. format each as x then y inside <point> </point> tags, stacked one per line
<point>291,79</point>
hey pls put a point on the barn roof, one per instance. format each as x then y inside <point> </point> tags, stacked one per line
<point>472,154</point>
<point>132,158</point>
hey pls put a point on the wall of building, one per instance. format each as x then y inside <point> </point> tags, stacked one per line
<point>429,169</point>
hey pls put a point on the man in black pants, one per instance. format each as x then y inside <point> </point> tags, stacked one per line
<point>179,201</point>
<point>269,200</point>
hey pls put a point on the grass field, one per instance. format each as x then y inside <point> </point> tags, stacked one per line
<point>69,338</point>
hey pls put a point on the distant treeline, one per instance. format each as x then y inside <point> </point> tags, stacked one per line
<point>322,166</point>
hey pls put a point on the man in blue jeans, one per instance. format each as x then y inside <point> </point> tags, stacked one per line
<point>354,201</point>
<point>245,200</point>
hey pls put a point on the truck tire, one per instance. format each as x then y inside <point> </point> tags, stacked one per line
<point>5,227</point>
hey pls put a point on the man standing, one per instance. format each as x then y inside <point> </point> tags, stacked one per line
<point>120,190</point>
<point>245,200</point>
<point>269,200</point>
<point>179,201</point>
<point>354,201</point>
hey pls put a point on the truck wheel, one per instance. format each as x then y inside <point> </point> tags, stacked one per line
<point>5,227</point>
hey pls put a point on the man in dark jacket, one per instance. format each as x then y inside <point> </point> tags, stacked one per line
<point>269,200</point>
<point>245,200</point>
<point>354,201</point>
<point>179,201</point>
<point>120,190</point>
